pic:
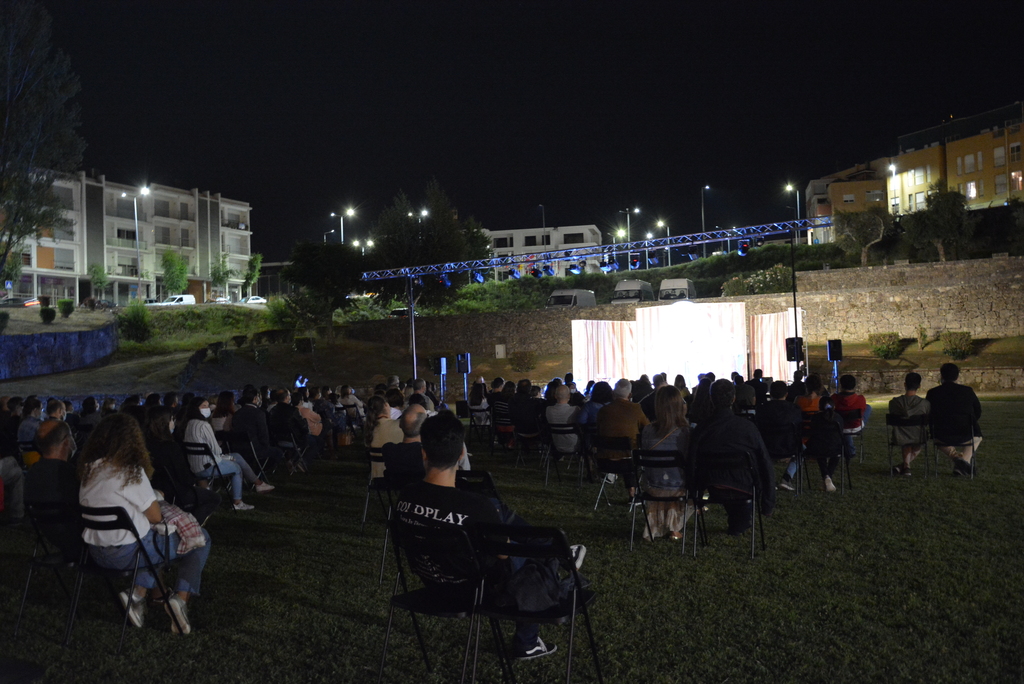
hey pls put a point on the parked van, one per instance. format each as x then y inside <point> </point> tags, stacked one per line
<point>580,298</point>
<point>632,292</point>
<point>676,288</point>
<point>178,300</point>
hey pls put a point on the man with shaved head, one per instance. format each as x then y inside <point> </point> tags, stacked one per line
<point>53,480</point>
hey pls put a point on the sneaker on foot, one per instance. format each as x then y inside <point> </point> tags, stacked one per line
<point>579,552</point>
<point>177,608</point>
<point>610,478</point>
<point>539,650</point>
<point>263,488</point>
<point>137,609</point>
<point>897,470</point>
<point>829,487</point>
<point>786,484</point>
<point>242,506</point>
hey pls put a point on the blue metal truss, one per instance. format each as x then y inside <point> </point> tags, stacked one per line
<point>782,228</point>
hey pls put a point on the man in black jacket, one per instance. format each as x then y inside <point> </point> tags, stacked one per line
<point>955,412</point>
<point>727,432</point>
<point>253,422</point>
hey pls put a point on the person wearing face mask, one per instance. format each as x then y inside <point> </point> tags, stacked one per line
<point>250,419</point>
<point>171,474</point>
<point>199,430</point>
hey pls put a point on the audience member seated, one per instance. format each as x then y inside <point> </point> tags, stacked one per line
<point>953,405</point>
<point>779,412</point>
<point>198,430</point>
<point>396,402</point>
<point>680,384</point>
<point>14,488</point>
<point>478,402</point>
<point>31,417</point>
<point>810,401</point>
<point>760,387</point>
<point>526,411</point>
<point>725,432</point>
<point>746,398</point>
<point>380,429</point>
<point>825,440</point>
<point>403,462</point>
<point>797,388</point>
<point>286,423</point>
<point>171,472</point>
<point>419,386</point>
<point>562,413</point>
<point>55,409</point>
<point>908,405</point>
<point>647,403</point>
<point>621,418</point>
<point>314,424</point>
<point>348,398</point>
<point>90,414</point>
<point>670,431</point>
<point>113,469</point>
<point>846,399</point>
<point>600,396</point>
<point>108,407</point>
<point>248,418</point>
<point>701,408</point>
<point>220,418</point>
<point>641,387</point>
<point>53,480</point>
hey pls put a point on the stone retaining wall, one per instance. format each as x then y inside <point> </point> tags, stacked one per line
<point>981,379</point>
<point>23,356</point>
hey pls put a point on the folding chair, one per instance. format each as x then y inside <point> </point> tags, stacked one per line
<point>783,443</point>
<point>811,452</point>
<point>610,466</point>
<point>555,454</point>
<point>200,452</point>
<point>709,467</point>
<point>956,432</point>
<point>44,517</point>
<point>399,472</point>
<point>296,446</point>
<point>858,432</point>
<point>238,442</point>
<point>480,423</point>
<point>100,519</point>
<point>913,424</point>
<point>644,459</point>
<point>542,544</point>
<point>478,481</point>
<point>502,429</point>
<point>530,443</point>
<point>459,601</point>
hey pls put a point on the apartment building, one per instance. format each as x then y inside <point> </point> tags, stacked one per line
<point>549,239</point>
<point>126,231</point>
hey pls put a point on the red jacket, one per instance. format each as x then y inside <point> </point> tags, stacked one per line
<point>849,402</point>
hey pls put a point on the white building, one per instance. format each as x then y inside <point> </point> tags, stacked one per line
<point>551,239</point>
<point>199,226</point>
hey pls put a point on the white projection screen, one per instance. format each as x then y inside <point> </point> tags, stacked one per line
<point>603,350</point>
<point>687,338</point>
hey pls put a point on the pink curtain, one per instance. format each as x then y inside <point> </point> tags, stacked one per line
<point>768,333</point>
<point>603,350</point>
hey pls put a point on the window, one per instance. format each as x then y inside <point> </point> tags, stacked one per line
<point>503,242</point>
<point>123,234</point>
<point>848,199</point>
<point>919,200</point>
<point>1001,184</point>
<point>1017,181</point>
<point>531,241</point>
<point>969,164</point>
<point>183,211</point>
<point>65,195</point>
<point>26,258</point>
<point>873,195</point>
<point>928,170</point>
<point>162,208</point>
<point>919,176</point>
<point>546,239</point>
<point>186,238</point>
<point>972,190</point>
<point>979,161</point>
<point>162,235</point>
<point>64,259</point>
<point>959,166</point>
<point>573,239</point>
<point>126,209</point>
<point>895,205</point>
<point>998,156</point>
<point>1015,152</point>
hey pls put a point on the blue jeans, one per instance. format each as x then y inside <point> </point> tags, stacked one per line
<point>190,566</point>
<point>227,469</point>
<point>527,633</point>
<point>851,451</point>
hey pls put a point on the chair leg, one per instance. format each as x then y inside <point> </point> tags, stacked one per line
<point>73,609</point>
<point>383,555</point>
<point>572,634</point>
<point>604,480</point>
<point>387,635</point>
<point>593,644</point>
<point>24,595</point>
<point>632,528</point>
<point>753,523</point>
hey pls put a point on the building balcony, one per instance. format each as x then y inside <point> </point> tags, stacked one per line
<point>126,214</point>
<point>125,242</point>
<point>235,225</point>
<point>123,270</point>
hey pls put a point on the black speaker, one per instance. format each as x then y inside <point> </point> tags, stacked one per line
<point>795,349</point>
<point>835,350</point>
<point>462,364</point>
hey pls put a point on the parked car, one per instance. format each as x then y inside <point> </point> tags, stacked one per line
<point>19,301</point>
<point>254,299</point>
<point>178,300</point>
<point>222,300</point>
<point>399,313</point>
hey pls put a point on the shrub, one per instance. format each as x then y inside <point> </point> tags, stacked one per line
<point>304,345</point>
<point>734,287</point>
<point>772,280</point>
<point>957,345</point>
<point>91,303</point>
<point>66,307</point>
<point>5,318</point>
<point>135,323</point>
<point>47,314</point>
<point>922,337</point>
<point>522,361</point>
<point>886,345</point>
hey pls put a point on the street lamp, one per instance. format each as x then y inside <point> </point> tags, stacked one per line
<point>363,246</point>
<point>892,205</point>
<point>138,253</point>
<point>350,212</point>
<point>702,228</point>
<point>647,252</point>
<point>332,230</point>
<point>621,235</point>
<point>629,235</point>
<point>792,264</point>
<point>668,233</point>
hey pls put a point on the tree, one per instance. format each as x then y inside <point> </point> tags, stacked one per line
<point>38,137</point>
<point>945,223</point>
<point>98,278</point>
<point>402,236</point>
<point>252,271</point>
<point>220,273</point>
<point>327,272</point>
<point>175,272</point>
<point>862,230</point>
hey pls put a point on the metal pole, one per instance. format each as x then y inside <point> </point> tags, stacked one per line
<point>412,326</point>
<point>796,317</point>
<point>138,253</point>
<point>702,228</point>
<point>341,224</point>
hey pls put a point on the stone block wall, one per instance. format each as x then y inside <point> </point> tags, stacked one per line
<point>23,356</point>
<point>981,379</point>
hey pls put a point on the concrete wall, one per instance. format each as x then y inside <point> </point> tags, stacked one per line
<point>23,356</point>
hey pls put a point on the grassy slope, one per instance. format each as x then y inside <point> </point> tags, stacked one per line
<point>900,580</point>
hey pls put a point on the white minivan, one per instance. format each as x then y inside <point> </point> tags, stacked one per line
<point>177,300</point>
<point>632,292</point>
<point>675,289</point>
<point>580,298</point>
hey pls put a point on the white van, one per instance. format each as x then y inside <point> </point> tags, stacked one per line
<point>177,300</point>
<point>580,298</point>
<point>632,292</point>
<point>676,288</point>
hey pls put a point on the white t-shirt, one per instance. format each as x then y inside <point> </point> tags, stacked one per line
<point>106,489</point>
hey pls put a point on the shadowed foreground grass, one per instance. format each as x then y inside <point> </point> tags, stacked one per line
<point>903,579</point>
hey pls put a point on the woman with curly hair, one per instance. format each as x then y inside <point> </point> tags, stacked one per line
<point>114,468</point>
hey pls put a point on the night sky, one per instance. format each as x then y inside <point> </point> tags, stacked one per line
<point>304,108</point>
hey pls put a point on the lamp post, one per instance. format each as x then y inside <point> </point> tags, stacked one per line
<point>138,253</point>
<point>792,262</point>
<point>668,234</point>
<point>629,235</point>
<point>647,253</point>
<point>621,235</point>
<point>350,212</point>
<point>892,205</point>
<point>328,233</point>
<point>363,246</point>
<point>702,228</point>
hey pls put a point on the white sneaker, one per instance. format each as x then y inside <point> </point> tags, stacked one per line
<point>137,610</point>
<point>579,552</point>
<point>177,608</point>
<point>263,488</point>
<point>610,478</point>
<point>829,487</point>
<point>242,506</point>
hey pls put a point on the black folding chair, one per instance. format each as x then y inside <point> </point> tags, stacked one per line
<point>956,432</point>
<point>502,429</point>
<point>238,442</point>
<point>913,424</point>
<point>783,443</point>
<point>542,544</point>
<point>478,481</point>
<point>858,432</point>
<point>458,601</point>
<point>46,556</point>
<point>645,462</point>
<point>709,467</point>
<point>812,452</point>
<point>100,519</point>
<point>554,453</point>
<point>480,424</point>
<point>374,484</point>
<point>611,466</point>
<point>195,451</point>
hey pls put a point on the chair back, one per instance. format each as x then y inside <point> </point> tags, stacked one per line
<point>200,456</point>
<point>952,430</point>
<point>478,481</point>
<point>476,415</point>
<point>782,439</point>
<point>401,466</point>
<point>57,523</point>
<point>908,425</point>
<point>724,469</point>
<point>237,441</point>
<point>107,518</point>
<point>437,553</point>
<point>851,416</point>
<point>652,464</point>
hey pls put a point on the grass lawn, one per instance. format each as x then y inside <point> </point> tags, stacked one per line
<point>902,579</point>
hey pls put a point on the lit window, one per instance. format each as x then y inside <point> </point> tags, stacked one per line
<point>848,199</point>
<point>972,190</point>
<point>1017,181</point>
<point>998,156</point>
<point>1001,184</point>
<point>1015,152</point>
<point>919,200</point>
<point>873,195</point>
<point>895,205</point>
<point>919,175</point>
<point>969,164</point>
